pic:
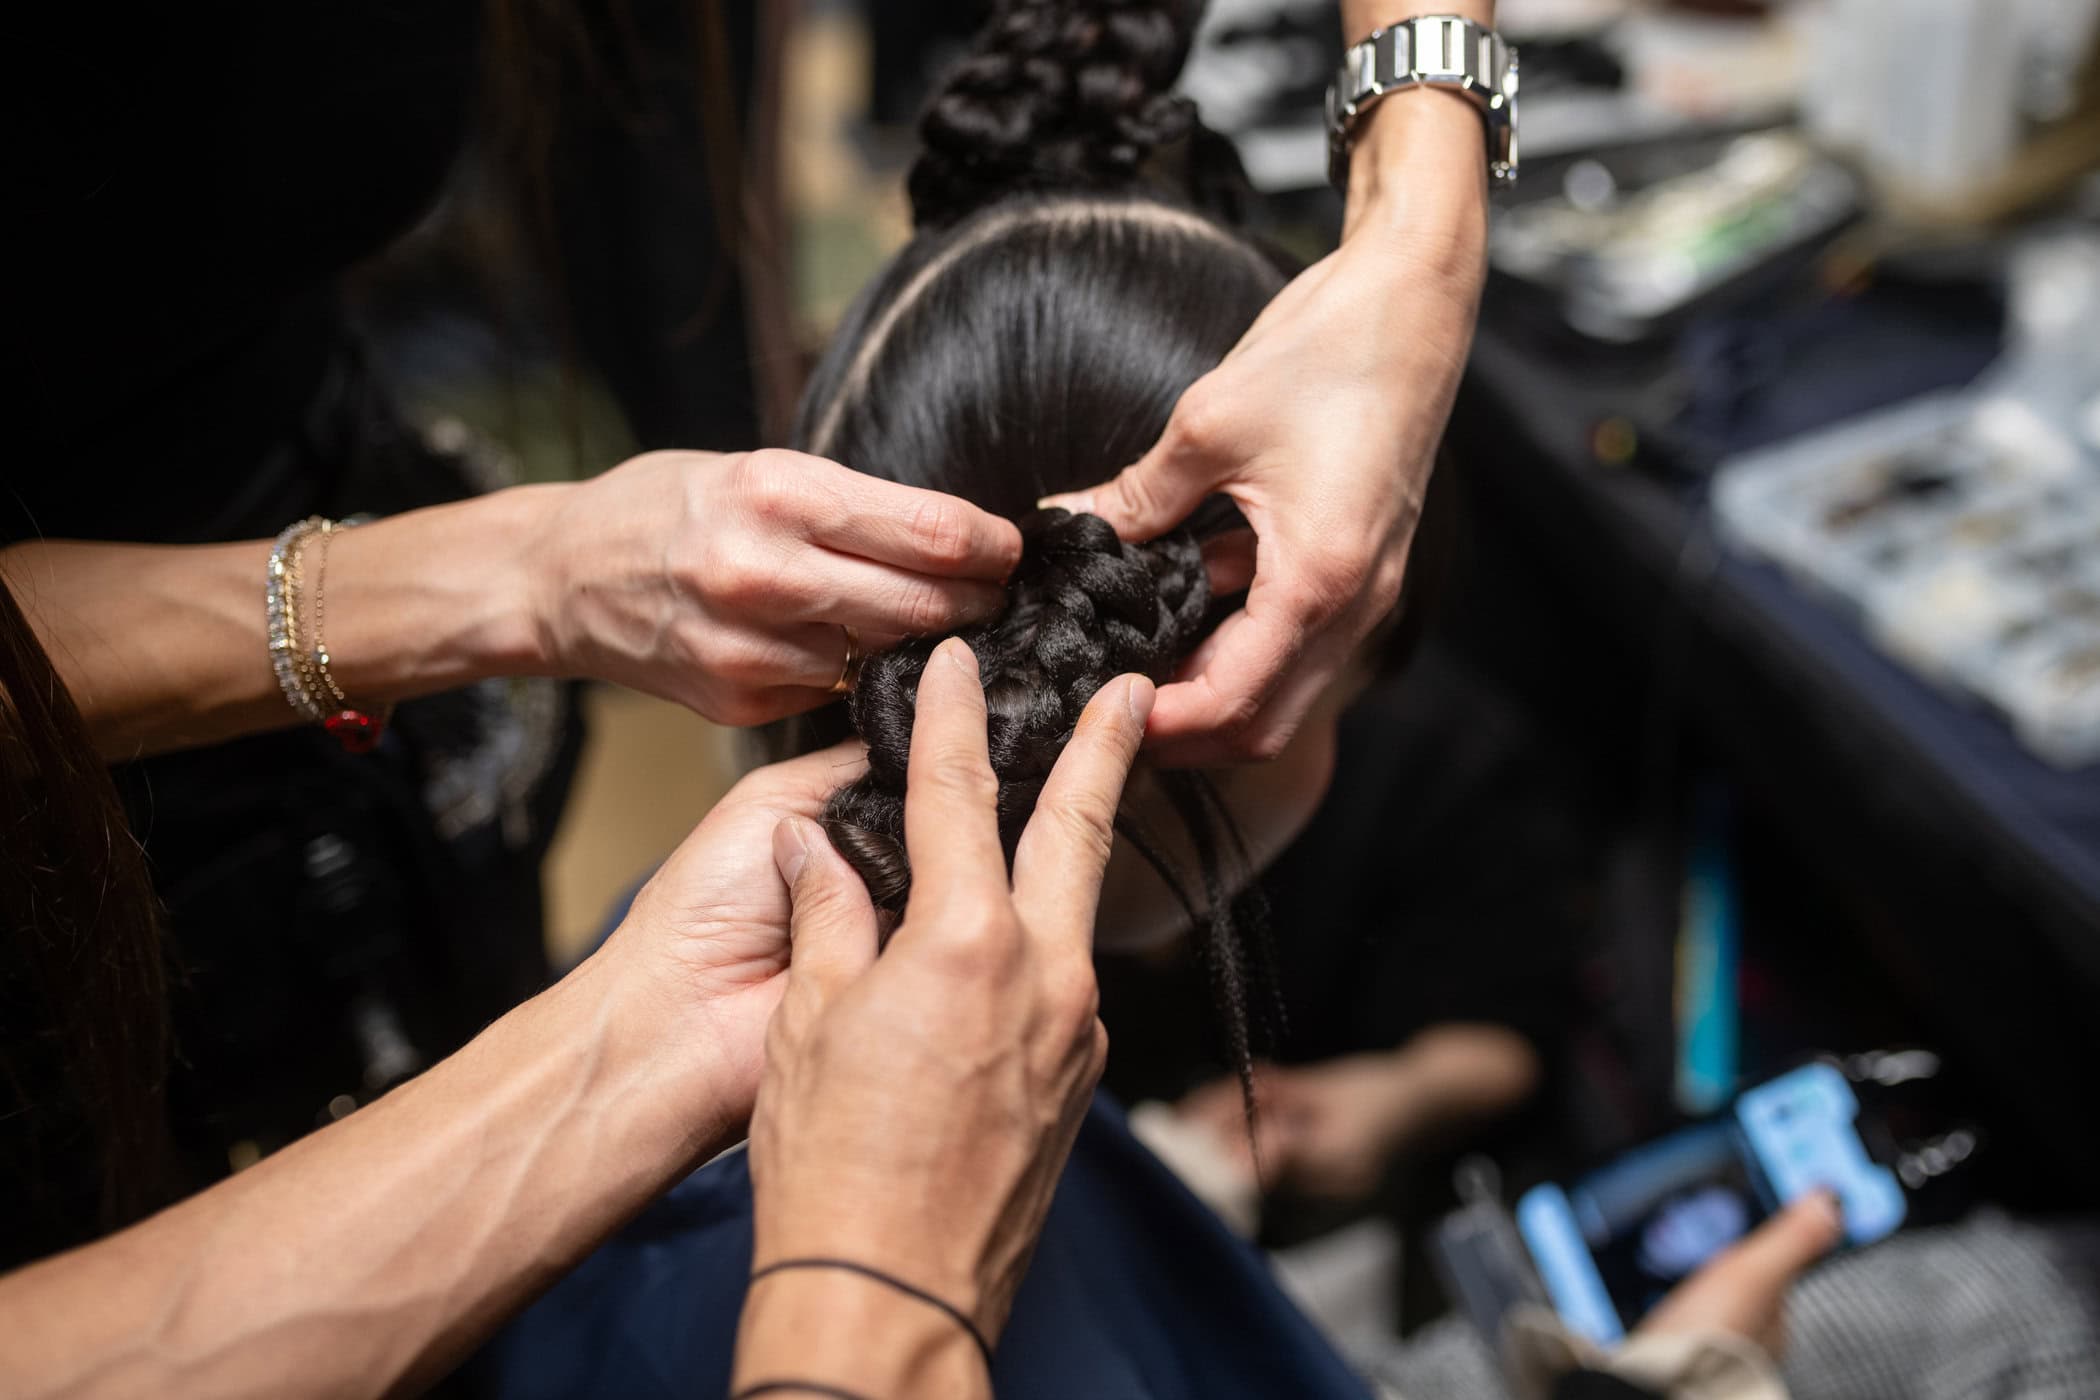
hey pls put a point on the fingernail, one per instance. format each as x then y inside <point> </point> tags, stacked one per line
<point>1079,503</point>
<point>1139,696</point>
<point>790,849</point>
<point>959,654</point>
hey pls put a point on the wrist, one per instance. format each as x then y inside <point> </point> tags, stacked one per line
<point>516,552</point>
<point>1418,171</point>
<point>669,1087</point>
<point>437,598</point>
<point>1418,157</point>
<point>843,1329</point>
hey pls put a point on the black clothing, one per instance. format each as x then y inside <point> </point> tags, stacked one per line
<point>195,183</point>
<point>1435,883</point>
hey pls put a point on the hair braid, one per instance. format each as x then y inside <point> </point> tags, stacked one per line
<point>1083,608</point>
<point>1054,94</point>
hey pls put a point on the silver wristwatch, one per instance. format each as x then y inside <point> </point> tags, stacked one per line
<point>1445,51</point>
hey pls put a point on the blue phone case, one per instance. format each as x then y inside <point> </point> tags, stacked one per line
<point>1798,1132</point>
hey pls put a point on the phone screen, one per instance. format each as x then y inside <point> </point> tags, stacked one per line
<point>1611,1244</point>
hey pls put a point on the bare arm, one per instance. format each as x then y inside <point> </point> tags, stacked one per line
<point>164,646</point>
<point>367,1258</point>
<point>1323,422</point>
<point>723,582</point>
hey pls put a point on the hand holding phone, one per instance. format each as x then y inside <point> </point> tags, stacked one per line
<point>1742,1290</point>
<point>1611,1246</point>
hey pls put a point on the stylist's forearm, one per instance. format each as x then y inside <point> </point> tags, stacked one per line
<point>1418,166</point>
<point>366,1259</point>
<point>165,646</point>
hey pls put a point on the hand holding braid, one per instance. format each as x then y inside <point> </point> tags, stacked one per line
<point>1083,607</point>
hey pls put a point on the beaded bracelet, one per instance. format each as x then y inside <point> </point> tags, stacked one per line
<point>281,593</point>
<point>302,672</point>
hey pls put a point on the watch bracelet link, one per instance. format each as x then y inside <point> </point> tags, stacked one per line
<point>1440,51</point>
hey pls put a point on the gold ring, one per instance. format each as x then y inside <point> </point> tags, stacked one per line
<point>849,672</point>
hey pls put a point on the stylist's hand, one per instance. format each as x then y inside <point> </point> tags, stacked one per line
<point>1321,425</point>
<point>1742,1291</point>
<point>703,950</point>
<point>916,1110</point>
<point>725,581</point>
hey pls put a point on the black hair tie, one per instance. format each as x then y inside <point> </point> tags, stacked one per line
<point>955,1314</point>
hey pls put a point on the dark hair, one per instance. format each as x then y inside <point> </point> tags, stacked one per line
<point>83,1002</point>
<point>1066,284</point>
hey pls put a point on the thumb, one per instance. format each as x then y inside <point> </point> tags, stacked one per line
<point>1741,1290</point>
<point>831,938</point>
<point>1150,496</point>
<point>1777,1251</point>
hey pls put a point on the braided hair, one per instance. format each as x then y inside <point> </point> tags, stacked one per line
<point>1067,283</point>
<point>1053,96</point>
<point>1083,609</point>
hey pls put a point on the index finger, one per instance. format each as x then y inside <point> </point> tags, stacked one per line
<point>926,532</point>
<point>951,821</point>
<point>1064,851</point>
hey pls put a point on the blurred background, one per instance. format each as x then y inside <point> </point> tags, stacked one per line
<point>1759,713</point>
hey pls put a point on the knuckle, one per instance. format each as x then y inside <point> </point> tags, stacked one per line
<point>1239,713</point>
<point>1138,497</point>
<point>737,582</point>
<point>922,607</point>
<point>1388,577</point>
<point>976,945</point>
<point>1201,421</point>
<point>1086,822</point>
<point>1326,587</point>
<point>1267,743</point>
<point>768,486</point>
<point>940,532</point>
<point>1074,996</point>
<point>965,777</point>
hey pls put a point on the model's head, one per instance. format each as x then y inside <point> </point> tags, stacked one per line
<point>1070,276</point>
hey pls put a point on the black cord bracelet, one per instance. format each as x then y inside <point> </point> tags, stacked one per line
<point>955,1314</point>
<point>832,1392</point>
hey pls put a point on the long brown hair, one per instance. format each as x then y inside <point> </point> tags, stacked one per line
<point>83,989</point>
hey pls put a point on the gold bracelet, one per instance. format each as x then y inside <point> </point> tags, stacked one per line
<point>282,590</point>
<point>303,670</point>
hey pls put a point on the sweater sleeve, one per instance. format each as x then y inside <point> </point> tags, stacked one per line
<point>1541,1354</point>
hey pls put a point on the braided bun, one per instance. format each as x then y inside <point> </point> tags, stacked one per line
<point>1055,94</point>
<point>1083,608</point>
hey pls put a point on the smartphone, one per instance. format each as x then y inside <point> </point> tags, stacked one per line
<point>1609,1245</point>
